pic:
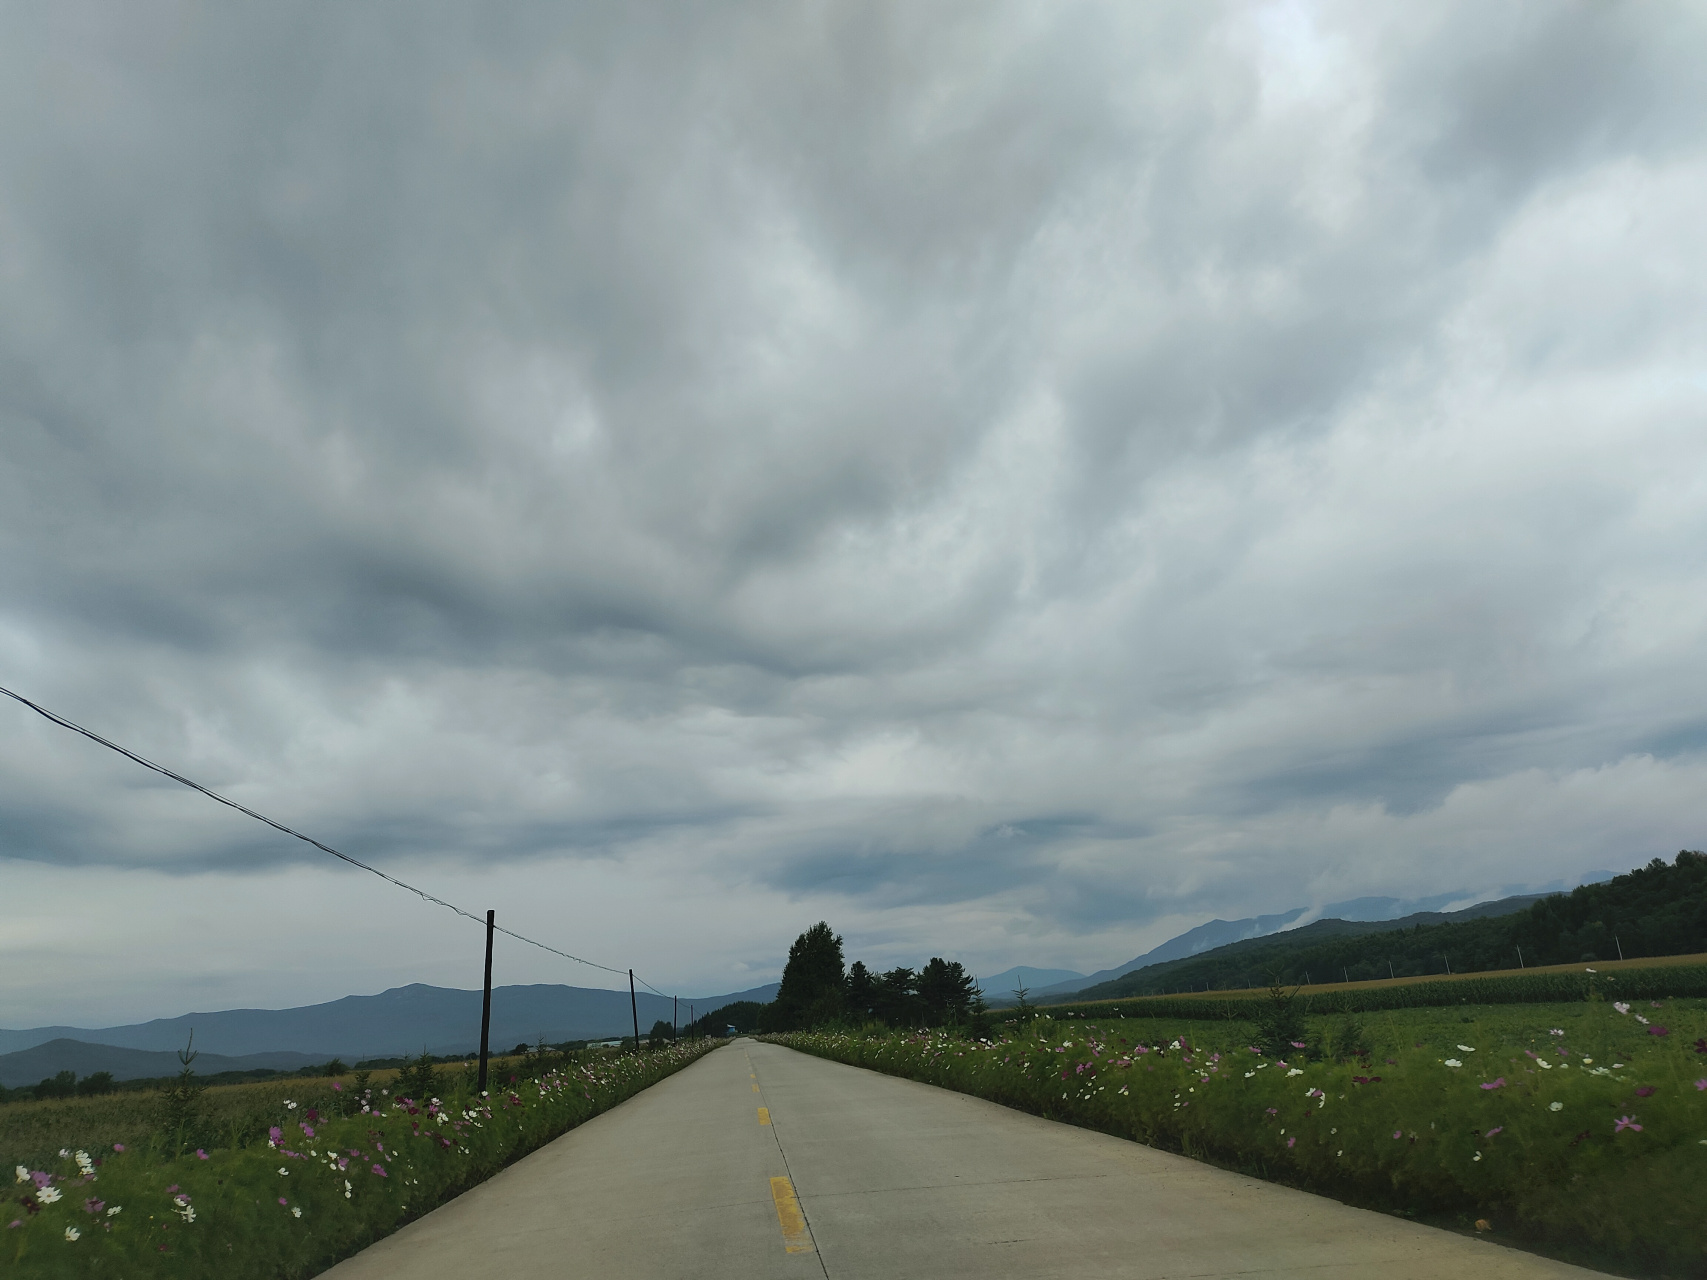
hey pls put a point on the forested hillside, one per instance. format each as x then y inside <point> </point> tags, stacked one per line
<point>1656,910</point>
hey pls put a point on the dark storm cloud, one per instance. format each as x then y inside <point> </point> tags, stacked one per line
<point>1082,465</point>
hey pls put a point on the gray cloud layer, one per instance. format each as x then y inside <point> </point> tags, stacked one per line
<point>1061,468</point>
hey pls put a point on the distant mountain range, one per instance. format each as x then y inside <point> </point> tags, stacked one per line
<point>1220,933</point>
<point>403,1020</point>
<point>1001,986</point>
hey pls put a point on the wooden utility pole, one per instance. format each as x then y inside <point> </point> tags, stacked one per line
<point>486,1002</point>
<point>634,1008</point>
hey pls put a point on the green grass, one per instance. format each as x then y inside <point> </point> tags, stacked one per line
<point>298,1186</point>
<point>1399,1129</point>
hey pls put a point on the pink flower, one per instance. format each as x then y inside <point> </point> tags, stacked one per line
<point>172,1189</point>
<point>307,1129</point>
<point>1297,1044</point>
<point>200,1154</point>
<point>1498,1128</point>
<point>1701,1084</point>
<point>1495,1084</point>
<point>276,1134</point>
<point>1657,1030</point>
<point>1625,1122</point>
<point>336,1087</point>
<point>15,1222</point>
<point>1397,1134</point>
<point>380,1169</point>
<point>118,1146</point>
<point>1291,1142</point>
<point>282,1200</point>
<point>1645,1091</point>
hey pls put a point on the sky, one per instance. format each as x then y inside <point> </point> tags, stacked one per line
<point>1014,481</point>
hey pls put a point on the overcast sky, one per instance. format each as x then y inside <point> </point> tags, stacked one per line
<point>1013,481</point>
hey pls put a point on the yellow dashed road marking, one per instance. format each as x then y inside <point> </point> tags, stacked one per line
<point>795,1237</point>
<point>755,1088</point>
<point>764,1115</point>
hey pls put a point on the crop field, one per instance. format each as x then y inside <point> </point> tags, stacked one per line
<point>1576,1129</point>
<point>280,1178</point>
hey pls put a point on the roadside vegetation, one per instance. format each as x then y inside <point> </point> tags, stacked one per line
<point>281,1178</point>
<point>1575,1129</point>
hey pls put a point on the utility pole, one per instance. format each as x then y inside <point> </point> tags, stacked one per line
<point>674,1009</point>
<point>1390,973</point>
<point>634,1008</point>
<point>486,1002</point>
<point>1620,946</point>
<point>1448,966</point>
<point>1520,957</point>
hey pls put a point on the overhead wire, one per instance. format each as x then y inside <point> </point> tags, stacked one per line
<point>308,839</point>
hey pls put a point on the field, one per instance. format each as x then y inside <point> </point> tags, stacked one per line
<point>1577,1129</point>
<point>280,1178</point>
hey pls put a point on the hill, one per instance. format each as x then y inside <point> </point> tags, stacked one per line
<point>1655,910</point>
<point>27,1066</point>
<point>401,1021</point>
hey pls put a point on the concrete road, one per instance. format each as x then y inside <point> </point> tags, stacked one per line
<point>759,1162</point>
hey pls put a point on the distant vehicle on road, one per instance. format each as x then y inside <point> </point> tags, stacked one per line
<point>731,1032</point>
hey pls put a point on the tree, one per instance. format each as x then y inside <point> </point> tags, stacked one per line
<point>813,990</point>
<point>861,991</point>
<point>945,992</point>
<point>896,997</point>
<point>659,1035</point>
<point>100,1082</point>
<point>63,1085</point>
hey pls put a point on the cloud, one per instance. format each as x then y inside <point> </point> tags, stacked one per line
<point>1006,480</point>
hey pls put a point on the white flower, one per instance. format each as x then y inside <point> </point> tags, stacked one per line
<point>1545,1066</point>
<point>1294,1072</point>
<point>1478,1157</point>
<point>283,1172</point>
<point>1621,1006</point>
<point>72,1233</point>
<point>1453,1062</point>
<point>1641,1019</point>
<point>64,1153</point>
<point>23,1174</point>
<point>1588,1062</point>
<point>295,1212</point>
<point>48,1195</point>
<point>1464,1048</point>
<point>1555,1106</point>
<point>1249,1074</point>
<point>1557,1031</point>
<point>113,1208</point>
<point>189,1213</point>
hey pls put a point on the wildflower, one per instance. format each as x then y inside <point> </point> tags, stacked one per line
<point>1701,1045</point>
<point>1495,1084</point>
<point>1701,1084</point>
<point>1645,1091</point>
<point>1658,1030</point>
<point>1625,1122</point>
<point>1464,1048</point>
<point>295,1212</point>
<point>1476,1157</point>
<point>1588,1062</point>
<point>1294,1072</point>
<point>1621,1006</point>
<point>1291,1142</point>
<point>200,1154</point>
<point>47,1195</point>
<point>23,1174</point>
<point>380,1169</point>
<point>1397,1134</point>
<point>1498,1128</point>
<point>93,1205</point>
<point>283,1172</point>
<point>118,1146</point>
<point>282,1200</point>
<point>114,1209</point>
<point>1556,1031</point>
<point>336,1087</point>
<point>1453,1062</point>
<point>1555,1106</point>
<point>84,1163</point>
<point>1641,1019</point>
<point>1297,1044</point>
<point>275,1135</point>
<point>71,1234</point>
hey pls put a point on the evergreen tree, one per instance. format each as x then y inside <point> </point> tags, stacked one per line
<point>945,992</point>
<point>814,983</point>
<point>861,992</point>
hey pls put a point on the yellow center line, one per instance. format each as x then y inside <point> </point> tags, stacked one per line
<point>795,1237</point>
<point>764,1115</point>
<point>755,1088</point>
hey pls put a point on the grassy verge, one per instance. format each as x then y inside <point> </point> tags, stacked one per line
<point>1572,1129</point>
<point>318,1183</point>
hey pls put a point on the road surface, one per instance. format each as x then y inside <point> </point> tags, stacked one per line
<point>759,1162</point>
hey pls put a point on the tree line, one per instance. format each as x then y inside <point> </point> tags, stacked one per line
<point>820,989</point>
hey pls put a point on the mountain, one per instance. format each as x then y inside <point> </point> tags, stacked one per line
<point>403,1020</point>
<point>1656,910</point>
<point>1220,933</point>
<point>1001,986</point>
<point>28,1066</point>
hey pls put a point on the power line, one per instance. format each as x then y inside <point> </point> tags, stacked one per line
<point>291,831</point>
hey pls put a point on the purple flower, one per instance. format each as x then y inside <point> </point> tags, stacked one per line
<point>15,1222</point>
<point>282,1200</point>
<point>336,1087</point>
<point>1701,1084</point>
<point>276,1134</point>
<point>118,1146</point>
<point>41,1179</point>
<point>1290,1143</point>
<point>380,1169</point>
<point>1397,1134</point>
<point>1645,1091</point>
<point>200,1154</point>
<point>171,1190</point>
<point>1657,1030</point>
<point>1495,1084</point>
<point>1297,1044</point>
<point>307,1130</point>
<point>1498,1128</point>
<point>1625,1122</point>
